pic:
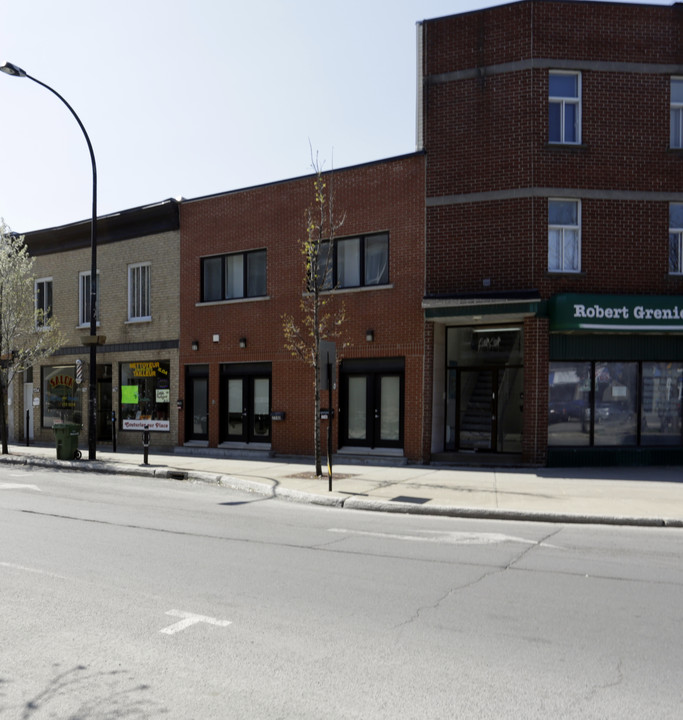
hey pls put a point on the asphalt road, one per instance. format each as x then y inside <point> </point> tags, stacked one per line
<point>144,598</point>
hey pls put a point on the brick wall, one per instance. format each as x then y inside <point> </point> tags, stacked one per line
<point>491,169</point>
<point>487,134</point>
<point>384,196</point>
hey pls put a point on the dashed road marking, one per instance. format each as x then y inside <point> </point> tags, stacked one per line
<point>448,538</point>
<point>188,619</point>
<point>18,486</point>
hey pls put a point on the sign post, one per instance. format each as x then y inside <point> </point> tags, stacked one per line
<point>328,361</point>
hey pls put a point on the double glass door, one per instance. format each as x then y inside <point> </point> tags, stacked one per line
<point>245,405</point>
<point>372,409</point>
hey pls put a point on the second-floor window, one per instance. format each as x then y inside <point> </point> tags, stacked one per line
<point>354,262</point>
<point>676,239</point>
<point>84,298</point>
<point>564,235</point>
<point>676,131</point>
<point>139,287</point>
<point>43,301</point>
<point>234,276</point>
<point>564,107</point>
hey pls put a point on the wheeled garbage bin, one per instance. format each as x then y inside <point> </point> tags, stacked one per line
<point>66,439</point>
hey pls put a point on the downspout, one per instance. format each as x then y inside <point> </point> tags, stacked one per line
<point>419,94</point>
<point>533,219</point>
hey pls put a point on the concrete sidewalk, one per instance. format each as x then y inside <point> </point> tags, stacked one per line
<point>648,496</point>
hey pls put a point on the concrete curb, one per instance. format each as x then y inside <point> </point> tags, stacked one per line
<point>266,490</point>
<point>500,514</point>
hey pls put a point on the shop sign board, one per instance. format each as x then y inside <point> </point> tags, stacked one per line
<point>573,312</point>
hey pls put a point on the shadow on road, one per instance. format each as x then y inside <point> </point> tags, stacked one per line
<point>79,694</point>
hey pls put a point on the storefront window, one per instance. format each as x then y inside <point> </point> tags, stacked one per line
<point>145,395</point>
<point>632,403</point>
<point>569,403</point>
<point>59,395</point>
<point>660,419</point>
<point>616,403</point>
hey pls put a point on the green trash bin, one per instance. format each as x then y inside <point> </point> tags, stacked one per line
<point>66,439</point>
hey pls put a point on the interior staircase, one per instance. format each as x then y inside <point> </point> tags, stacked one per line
<point>475,423</point>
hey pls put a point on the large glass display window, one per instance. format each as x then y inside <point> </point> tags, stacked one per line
<point>59,395</point>
<point>145,395</point>
<point>569,396</point>
<point>660,418</point>
<point>622,404</point>
<point>616,403</point>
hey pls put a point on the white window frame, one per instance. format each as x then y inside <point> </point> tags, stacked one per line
<point>84,302</point>
<point>564,230</point>
<point>140,292</point>
<point>675,243</point>
<point>563,102</point>
<point>47,307</point>
<point>676,114</point>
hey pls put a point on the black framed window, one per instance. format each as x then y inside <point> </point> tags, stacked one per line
<point>358,261</point>
<point>234,276</point>
<point>615,403</point>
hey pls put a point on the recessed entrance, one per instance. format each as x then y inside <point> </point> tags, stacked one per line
<point>484,401</point>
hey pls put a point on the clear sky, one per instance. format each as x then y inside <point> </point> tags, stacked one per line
<point>197,97</point>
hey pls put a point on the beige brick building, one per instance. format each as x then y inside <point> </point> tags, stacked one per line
<point>138,261</point>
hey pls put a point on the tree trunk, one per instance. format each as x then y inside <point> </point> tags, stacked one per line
<point>3,395</point>
<point>3,414</point>
<point>316,365</point>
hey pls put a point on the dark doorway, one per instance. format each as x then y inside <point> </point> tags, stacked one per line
<point>197,394</point>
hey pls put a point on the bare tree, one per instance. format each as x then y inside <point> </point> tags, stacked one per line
<point>318,320</point>
<point>27,333</point>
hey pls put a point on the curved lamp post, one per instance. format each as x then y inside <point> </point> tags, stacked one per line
<point>92,340</point>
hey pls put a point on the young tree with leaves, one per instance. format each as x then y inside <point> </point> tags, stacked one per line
<point>27,334</point>
<point>318,320</point>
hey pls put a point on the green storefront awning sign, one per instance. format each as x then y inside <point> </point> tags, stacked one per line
<point>616,313</point>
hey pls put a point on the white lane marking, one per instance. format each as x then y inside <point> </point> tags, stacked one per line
<point>36,571</point>
<point>447,538</point>
<point>18,486</point>
<point>189,619</point>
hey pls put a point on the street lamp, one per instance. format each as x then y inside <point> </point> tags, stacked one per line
<point>92,340</point>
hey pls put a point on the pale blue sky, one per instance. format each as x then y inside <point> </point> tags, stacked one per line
<point>196,97</point>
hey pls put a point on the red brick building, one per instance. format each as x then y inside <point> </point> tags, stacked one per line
<point>553,134</point>
<point>242,269</point>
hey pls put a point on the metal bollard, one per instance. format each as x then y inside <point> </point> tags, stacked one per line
<point>113,430</point>
<point>145,442</point>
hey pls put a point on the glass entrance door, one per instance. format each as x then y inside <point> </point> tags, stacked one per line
<point>476,409</point>
<point>372,410</point>
<point>245,408</point>
<point>484,409</point>
<point>197,412</point>
<point>484,385</point>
